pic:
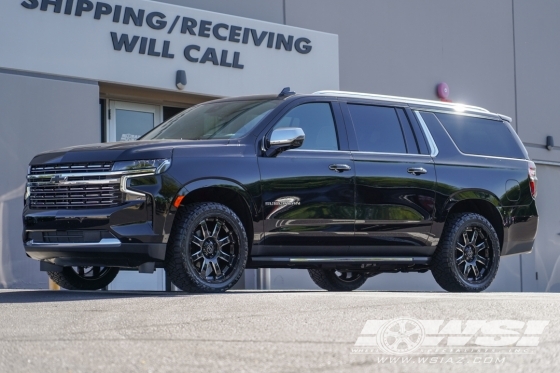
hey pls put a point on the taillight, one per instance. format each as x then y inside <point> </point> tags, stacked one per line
<point>533,179</point>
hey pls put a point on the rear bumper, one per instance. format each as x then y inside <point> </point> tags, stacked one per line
<point>520,229</point>
<point>109,252</point>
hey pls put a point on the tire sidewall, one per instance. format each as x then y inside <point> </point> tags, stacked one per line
<point>490,233</point>
<point>70,280</point>
<point>191,224</point>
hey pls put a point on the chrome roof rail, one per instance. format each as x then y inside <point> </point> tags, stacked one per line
<point>505,117</point>
<point>404,100</point>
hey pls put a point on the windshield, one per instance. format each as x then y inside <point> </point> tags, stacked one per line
<point>220,120</point>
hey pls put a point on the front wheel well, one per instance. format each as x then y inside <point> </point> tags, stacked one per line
<point>228,198</point>
<point>484,208</point>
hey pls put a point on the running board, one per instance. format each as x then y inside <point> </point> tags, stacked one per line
<point>342,259</point>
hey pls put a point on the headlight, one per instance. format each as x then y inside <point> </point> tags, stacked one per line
<point>157,165</point>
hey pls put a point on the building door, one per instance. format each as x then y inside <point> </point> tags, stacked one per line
<point>128,121</point>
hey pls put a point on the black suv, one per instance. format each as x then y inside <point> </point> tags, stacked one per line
<point>346,185</point>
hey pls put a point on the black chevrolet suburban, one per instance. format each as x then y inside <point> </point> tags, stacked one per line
<point>346,185</point>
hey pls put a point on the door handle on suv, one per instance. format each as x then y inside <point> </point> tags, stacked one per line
<point>339,167</point>
<point>417,170</point>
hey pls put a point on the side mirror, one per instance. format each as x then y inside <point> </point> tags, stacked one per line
<point>283,139</point>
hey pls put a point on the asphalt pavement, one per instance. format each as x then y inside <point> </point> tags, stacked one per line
<point>307,331</point>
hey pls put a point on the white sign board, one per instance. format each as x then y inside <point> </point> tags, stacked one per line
<point>144,43</point>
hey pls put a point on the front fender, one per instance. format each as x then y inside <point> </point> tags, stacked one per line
<point>202,184</point>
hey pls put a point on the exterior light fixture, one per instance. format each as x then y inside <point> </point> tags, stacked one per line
<point>549,142</point>
<point>181,79</point>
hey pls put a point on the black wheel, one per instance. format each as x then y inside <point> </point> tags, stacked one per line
<point>468,254</point>
<point>207,250</point>
<point>84,278</point>
<point>335,280</point>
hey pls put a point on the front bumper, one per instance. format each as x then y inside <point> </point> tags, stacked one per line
<point>109,252</point>
<point>119,236</point>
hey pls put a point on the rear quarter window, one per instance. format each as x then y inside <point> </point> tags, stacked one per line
<point>481,136</point>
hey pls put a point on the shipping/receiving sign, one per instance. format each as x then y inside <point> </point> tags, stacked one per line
<point>144,43</point>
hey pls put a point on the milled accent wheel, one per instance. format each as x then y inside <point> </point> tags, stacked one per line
<point>84,278</point>
<point>335,280</point>
<point>207,250</point>
<point>473,255</point>
<point>468,254</point>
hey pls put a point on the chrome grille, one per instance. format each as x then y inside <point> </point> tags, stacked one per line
<point>87,179</point>
<point>69,168</point>
<point>75,196</point>
<point>73,186</point>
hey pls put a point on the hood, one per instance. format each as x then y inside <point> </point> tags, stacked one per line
<point>121,151</point>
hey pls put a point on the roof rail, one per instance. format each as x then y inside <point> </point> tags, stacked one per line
<point>505,117</point>
<point>407,100</point>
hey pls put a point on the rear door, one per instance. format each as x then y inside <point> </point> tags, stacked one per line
<point>395,180</point>
<point>308,193</point>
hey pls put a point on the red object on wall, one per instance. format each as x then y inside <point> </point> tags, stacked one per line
<point>443,92</point>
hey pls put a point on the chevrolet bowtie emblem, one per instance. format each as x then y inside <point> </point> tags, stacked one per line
<point>57,179</point>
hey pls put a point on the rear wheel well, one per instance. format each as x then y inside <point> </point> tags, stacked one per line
<point>226,197</point>
<point>485,209</point>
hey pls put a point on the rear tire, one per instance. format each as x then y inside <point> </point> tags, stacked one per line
<point>207,249</point>
<point>334,280</point>
<point>84,278</point>
<point>468,255</point>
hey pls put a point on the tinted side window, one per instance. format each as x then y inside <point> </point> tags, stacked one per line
<point>481,136</point>
<point>316,121</point>
<point>377,128</point>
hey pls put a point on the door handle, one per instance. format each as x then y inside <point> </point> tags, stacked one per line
<point>417,170</point>
<point>339,167</point>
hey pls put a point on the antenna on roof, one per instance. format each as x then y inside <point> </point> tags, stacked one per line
<point>286,92</point>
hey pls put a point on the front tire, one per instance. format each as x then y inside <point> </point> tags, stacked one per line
<point>207,250</point>
<point>84,278</point>
<point>468,254</point>
<point>334,280</point>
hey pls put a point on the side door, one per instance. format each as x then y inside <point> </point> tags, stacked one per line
<point>308,193</point>
<point>395,180</point>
